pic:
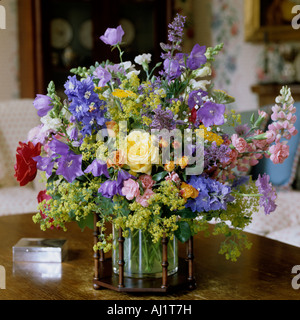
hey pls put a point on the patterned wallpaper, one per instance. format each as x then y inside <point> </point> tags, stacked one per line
<point>235,67</point>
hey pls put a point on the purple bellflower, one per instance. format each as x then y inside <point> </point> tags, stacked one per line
<point>196,98</point>
<point>42,104</point>
<point>172,68</point>
<point>211,114</point>
<point>69,166</point>
<point>109,188</point>
<point>197,58</point>
<point>97,168</point>
<point>113,36</point>
<point>103,75</point>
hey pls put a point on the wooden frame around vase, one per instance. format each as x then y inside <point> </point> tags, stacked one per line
<point>104,276</point>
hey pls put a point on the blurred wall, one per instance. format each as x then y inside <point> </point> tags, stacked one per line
<point>9,53</point>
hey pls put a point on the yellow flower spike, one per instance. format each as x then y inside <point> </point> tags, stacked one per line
<point>210,136</point>
<point>119,93</point>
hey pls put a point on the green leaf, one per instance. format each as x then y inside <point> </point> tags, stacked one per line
<point>159,176</point>
<point>87,221</point>
<point>105,205</point>
<point>252,119</point>
<point>187,214</point>
<point>183,233</point>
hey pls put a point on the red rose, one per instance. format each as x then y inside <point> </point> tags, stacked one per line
<point>43,196</point>
<point>25,167</point>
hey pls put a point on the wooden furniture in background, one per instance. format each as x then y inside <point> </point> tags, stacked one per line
<point>269,20</point>
<point>262,273</point>
<point>39,60</point>
<point>268,92</point>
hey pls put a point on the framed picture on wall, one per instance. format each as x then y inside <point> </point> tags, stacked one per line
<point>270,20</point>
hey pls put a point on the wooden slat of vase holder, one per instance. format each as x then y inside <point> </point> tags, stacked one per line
<point>164,262</point>
<point>190,259</point>
<point>121,258</point>
<point>96,252</point>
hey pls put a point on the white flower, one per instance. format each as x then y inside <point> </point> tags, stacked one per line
<point>143,58</point>
<point>202,72</point>
<point>129,68</point>
<point>50,123</point>
<point>129,74</point>
<point>196,85</point>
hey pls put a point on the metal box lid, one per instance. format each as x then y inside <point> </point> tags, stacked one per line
<point>40,250</point>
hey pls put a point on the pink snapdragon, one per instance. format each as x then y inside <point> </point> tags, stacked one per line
<point>284,119</point>
<point>239,143</point>
<point>131,189</point>
<point>279,152</point>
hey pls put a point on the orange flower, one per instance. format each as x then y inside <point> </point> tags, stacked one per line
<point>112,128</point>
<point>188,191</point>
<point>117,159</point>
<point>170,166</point>
<point>163,143</point>
<point>183,162</point>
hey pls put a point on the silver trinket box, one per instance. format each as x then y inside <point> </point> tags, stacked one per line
<point>40,250</point>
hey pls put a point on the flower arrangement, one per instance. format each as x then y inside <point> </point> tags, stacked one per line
<point>148,149</point>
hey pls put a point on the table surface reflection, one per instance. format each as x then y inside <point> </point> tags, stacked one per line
<point>262,273</point>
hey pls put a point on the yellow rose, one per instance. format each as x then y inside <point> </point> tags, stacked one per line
<point>141,152</point>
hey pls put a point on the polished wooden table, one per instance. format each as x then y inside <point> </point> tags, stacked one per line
<point>262,273</point>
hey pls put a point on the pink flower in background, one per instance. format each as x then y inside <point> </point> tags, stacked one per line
<point>143,200</point>
<point>240,144</point>
<point>147,181</point>
<point>131,189</point>
<point>279,152</point>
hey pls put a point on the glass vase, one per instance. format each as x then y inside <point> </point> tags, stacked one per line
<point>143,257</point>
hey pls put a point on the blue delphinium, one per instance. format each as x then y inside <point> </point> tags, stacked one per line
<point>213,195</point>
<point>85,104</point>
